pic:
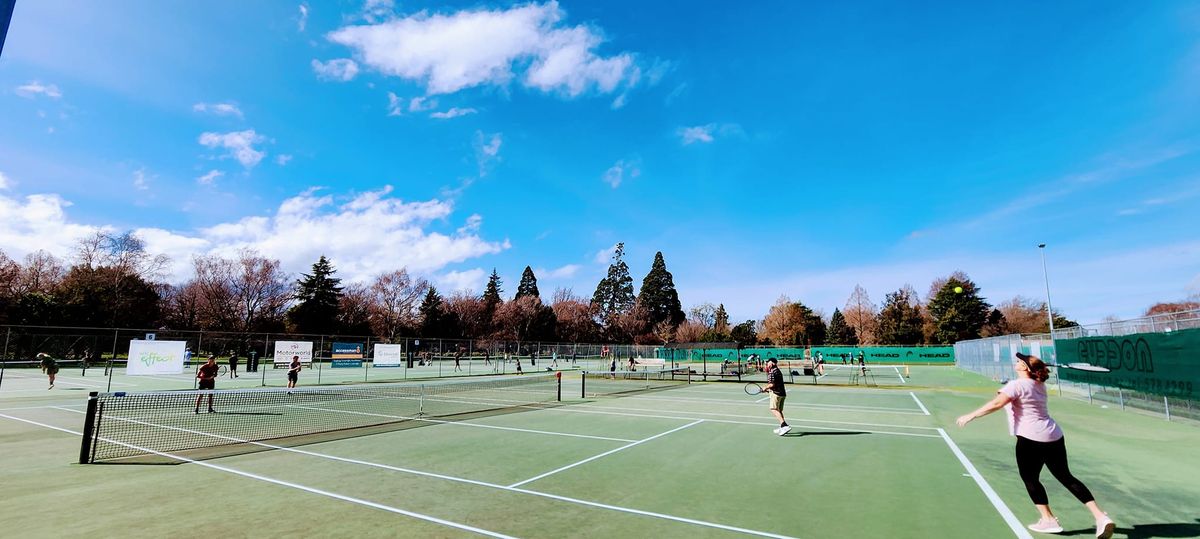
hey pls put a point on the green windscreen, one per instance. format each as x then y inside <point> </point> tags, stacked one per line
<point>1159,363</point>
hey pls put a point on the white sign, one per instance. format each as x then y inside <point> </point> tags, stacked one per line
<point>388,355</point>
<point>155,357</point>
<point>150,336</point>
<point>284,350</point>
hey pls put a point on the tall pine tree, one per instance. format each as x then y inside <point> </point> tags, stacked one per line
<point>491,301</point>
<point>721,320</point>
<point>318,295</point>
<point>839,331</point>
<point>528,286</point>
<point>658,295</point>
<point>614,293</point>
<point>958,312</point>
<point>436,321</point>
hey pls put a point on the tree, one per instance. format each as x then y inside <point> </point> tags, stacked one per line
<point>528,286</point>
<point>658,295</point>
<point>318,296</point>
<point>107,297</point>
<point>744,333</point>
<point>180,305</point>
<point>791,322</point>
<point>125,252</point>
<point>1023,315</point>
<point>394,300</point>
<point>354,310</point>
<point>261,291</point>
<point>860,315</point>
<point>704,314</point>
<point>614,294</point>
<point>840,332</point>
<point>957,310</point>
<point>996,325</point>
<point>690,331</point>
<point>468,309</point>
<point>526,319</point>
<point>576,319</point>
<point>900,318</point>
<point>491,299</point>
<point>721,320</point>
<point>436,321</point>
<point>41,272</point>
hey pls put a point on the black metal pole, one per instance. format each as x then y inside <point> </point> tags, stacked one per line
<point>89,424</point>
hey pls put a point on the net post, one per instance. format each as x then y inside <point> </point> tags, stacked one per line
<point>89,425</point>
<point>583,385</point>
<point>558,383</point>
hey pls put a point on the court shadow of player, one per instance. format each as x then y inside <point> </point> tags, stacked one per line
<point>849,433</point>
<point>1147,531</point>
<point>246,413</point>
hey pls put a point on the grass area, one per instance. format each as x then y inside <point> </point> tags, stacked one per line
<point>696,460</point>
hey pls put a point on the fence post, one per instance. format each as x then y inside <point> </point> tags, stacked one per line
<point>1121,397</point>
<point>266,346</point>
<point>367,364</point>
<point>116,335</point>
<point>317,358</point>
<point>4,357</point>
<point>1089,392</point>
<point>1167,407</point>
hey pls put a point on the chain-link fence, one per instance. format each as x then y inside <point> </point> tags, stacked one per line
<point>993,357</point>
<point>85,354</point>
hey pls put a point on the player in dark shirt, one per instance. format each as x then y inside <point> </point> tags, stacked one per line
<point>49,366</point>
<point>207,374</point>
<point>777,395</point>
<point>233,362</point>
<point>293,374</point>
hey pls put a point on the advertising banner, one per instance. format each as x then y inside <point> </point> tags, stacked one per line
<point>389,355</point>
<point>284,350</point>
<point>155,357</point>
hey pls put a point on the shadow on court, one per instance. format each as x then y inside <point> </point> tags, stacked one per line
<point>1148,531</point>
<point>798,434</point>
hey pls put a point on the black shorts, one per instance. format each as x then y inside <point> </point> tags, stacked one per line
<point>293,376</point>
<point>208,384</point>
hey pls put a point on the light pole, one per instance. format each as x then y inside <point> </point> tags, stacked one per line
<point>1046,277</point>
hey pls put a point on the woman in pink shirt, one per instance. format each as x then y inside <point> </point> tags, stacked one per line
<point>1040,443</point>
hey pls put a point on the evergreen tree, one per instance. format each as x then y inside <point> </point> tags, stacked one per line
<point>839,331</point>
<point>491,301</point>
<point>744,333</point>
<point>318,295</point>
<point>528,286</point>
<point>658,295</point>
<point>721,320</point>
<point>435,320</point>
<point>996,324</point>
<point>614,293</point>
<point>957,311</point>
<point>900,319</point>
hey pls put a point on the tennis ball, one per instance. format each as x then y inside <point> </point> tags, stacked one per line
<point>958,290</point>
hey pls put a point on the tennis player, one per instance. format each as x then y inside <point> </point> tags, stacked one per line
<point>49,366</point>
<point>207,374</point>
<point>519,371</point>
<point>233,362</point>
<point>1040,442</point>
<point>293,374</point>
<point>778,395</point>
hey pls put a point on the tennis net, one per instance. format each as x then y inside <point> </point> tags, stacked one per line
<point>161,424</point>
<point>600,383</point>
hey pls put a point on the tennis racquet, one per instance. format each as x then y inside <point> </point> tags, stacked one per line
<point>1082,367</point>
<point>753,389</point>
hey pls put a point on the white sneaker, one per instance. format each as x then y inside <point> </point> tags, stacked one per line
<point>1046,526</point>
<point>783,430</point>
<point>1105,528</point>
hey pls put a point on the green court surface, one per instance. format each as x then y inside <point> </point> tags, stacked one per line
<point>691,460</point>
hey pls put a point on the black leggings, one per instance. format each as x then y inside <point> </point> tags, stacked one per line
<point>1031,456</point>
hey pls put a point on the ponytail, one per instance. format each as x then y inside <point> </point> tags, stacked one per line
<point>1038,370</point>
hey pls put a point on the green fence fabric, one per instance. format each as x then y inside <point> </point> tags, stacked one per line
<point>1159,363</point>
<point>831,354</point>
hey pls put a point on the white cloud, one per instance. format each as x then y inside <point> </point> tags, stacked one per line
<point>378,10</point>
<point>5,183</point>
<point>604,256</point>
<point>566,272</point>
<point>419,104</point>
<point>706,133</point>
<point>33,89</point>
<point>220,109</point>
<point>210,177</point>
<point>621,170</point>
<point>458,281</point>
<point>395,108</point>
<point>303,17</point>
<point>38,222</point>
<point>474,222</point>
<point>449,52</point>
<point>341,69</point>
<point>139,180</point>
<point>454,112</point>
<point>487,150</point>
<point>240,145</point>
<point>283,159</point>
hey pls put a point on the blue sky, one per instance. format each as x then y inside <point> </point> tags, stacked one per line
<point>766,148</point>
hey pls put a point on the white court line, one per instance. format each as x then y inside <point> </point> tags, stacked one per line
<point>464,480</point>
<point>465,424</point>
<point>764,399</point>
<point>923,408</point>
<point>819,405</point>
<point>1006,513</point>
<point>901,376</point>
<point>604,454</point>
<point>297,486</point>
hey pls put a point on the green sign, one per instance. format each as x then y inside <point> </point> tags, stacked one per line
<point>831,354</point>
<point>346,363</point>
<point>1158,363</point>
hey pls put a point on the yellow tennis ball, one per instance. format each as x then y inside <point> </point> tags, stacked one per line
<point>958,290</point>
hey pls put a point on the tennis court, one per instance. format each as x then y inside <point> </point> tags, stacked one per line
<point>611,458</point>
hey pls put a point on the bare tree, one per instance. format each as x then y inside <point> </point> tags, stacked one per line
<point>395,298</point>
<point>783,322</point>
<point>576,317</point>
<point>860,315</point>
<point>261,289</point>
<point>180,305</point>
<point>470,310</point>
<point>41,272</point>
<point>690,331</point>
<point>704,314</point>
<point>125,252</point>
<point>10,271</point>
<point>217,307</point>
<point>1023,315</point>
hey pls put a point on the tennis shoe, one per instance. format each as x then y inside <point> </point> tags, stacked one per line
<point>1045,525</point>
<point>1105,528</point>
<point>783,430</point>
